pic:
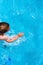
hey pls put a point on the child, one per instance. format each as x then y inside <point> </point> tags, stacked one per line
<point>4,27</point>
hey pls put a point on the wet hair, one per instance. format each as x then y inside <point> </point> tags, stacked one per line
<point>4,27</point>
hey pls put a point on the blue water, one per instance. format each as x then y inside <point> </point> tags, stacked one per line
<point>23,16</point>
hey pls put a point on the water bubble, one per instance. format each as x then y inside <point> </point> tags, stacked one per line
<point>33,17</point>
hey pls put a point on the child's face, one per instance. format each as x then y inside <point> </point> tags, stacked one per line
<point>2,27</point>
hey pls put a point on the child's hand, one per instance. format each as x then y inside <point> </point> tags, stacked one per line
<point>20,34</point>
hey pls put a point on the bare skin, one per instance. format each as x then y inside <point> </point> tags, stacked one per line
<point>7,39</point>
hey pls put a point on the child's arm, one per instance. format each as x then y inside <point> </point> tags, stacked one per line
<point>14,38</point>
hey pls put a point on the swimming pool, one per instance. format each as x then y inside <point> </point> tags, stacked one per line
<point>23,16</point>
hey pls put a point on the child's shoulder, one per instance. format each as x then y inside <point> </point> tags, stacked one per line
<point>3,36</point>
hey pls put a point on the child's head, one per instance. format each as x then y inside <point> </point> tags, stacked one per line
<point>4,27</point>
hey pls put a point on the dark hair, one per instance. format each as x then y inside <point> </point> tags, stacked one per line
<point>4,27</point>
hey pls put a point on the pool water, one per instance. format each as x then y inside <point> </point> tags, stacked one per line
<point>23,16</point>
